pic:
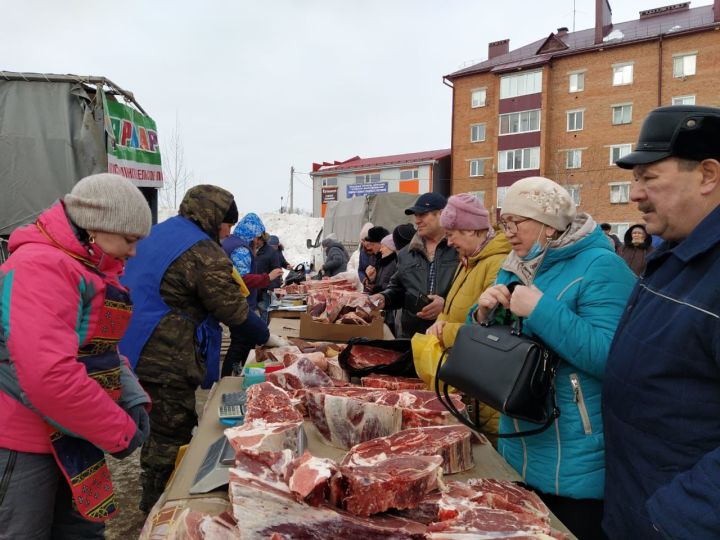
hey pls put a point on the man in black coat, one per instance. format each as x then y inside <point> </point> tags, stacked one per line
<point>425,270</point>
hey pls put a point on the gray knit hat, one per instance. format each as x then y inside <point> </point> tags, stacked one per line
<point>540,199</point>
<point>109,203</point>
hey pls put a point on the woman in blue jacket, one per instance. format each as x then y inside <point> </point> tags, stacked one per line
<point>572,292</point>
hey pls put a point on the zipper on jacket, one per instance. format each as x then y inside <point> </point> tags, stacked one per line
<point>580,400</point>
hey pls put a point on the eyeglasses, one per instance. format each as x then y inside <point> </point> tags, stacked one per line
<point>511,226</point>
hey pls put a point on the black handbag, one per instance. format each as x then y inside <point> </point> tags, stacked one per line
<point>497,365</point>
<point>297,275</point>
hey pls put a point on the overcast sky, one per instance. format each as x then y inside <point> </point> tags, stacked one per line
<point>260,86</point>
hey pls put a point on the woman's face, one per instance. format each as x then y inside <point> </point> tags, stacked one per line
<point>637,235</point>
<point>523,232</point>
<point>120,246</point>
<point>384,250</point>
<point>465,242</point>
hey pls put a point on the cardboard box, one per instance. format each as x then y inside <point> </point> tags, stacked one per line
<point>285,327</point>
<point>310,329</point>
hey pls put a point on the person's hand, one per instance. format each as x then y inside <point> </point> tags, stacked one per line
<point>433,309</point>
<point>497,294</point>
<point>275,273</point>
<point>524,299</point>
<point>142,431</point>
<point>378,300</point>
<point>437,330</point>
<point>276,341</point>
<point>371,273</point>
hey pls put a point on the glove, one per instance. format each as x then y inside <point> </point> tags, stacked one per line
<point>142,423</point>
<point>276,341</point>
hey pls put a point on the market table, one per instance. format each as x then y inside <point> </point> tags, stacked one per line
<point>177,496</point>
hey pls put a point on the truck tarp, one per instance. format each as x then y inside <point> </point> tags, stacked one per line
<point>346,218</point>
<point>51,135</point>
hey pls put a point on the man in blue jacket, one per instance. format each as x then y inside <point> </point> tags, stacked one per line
<point>661,395</point>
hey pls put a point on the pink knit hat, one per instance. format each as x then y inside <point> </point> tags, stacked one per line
<point>388,242</point>
<point>465,212</point>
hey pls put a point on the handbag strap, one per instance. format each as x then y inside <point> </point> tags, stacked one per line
<point>446,401</point>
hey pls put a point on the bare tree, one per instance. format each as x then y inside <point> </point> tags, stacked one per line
<point>178,179</point>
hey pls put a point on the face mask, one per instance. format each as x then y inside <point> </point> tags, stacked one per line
<point>536,249</point>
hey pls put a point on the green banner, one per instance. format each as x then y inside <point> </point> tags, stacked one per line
<point>132,145</point>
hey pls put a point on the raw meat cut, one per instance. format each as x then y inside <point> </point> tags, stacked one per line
<point>318,358</point>
<point>364,356</point>
<point>274,353</point>
<point>302,374</point>
<point>498,494</point>
<point>452,443</point>
<point>265,507</point>
<point>377,380</point>
<point>309,478</point>
<point>344,419</point>
<point>421,407</point>
<point>480,522</point>
<point>354,318</point>
<point>260,436</point>
<point>270,403</point>
<point>335,370</point>
<point>396,482</point>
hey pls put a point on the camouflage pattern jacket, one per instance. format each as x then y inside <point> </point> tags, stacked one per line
<point>197,284</point>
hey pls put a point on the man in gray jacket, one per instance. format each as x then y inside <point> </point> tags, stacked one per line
<point>425,270</point>
<point>336,256</point>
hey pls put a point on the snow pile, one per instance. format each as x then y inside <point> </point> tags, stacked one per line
<point>615,34</point>
<point>293,231</point>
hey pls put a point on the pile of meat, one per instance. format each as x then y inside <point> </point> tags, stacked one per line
<point>341,306</point>
<point>392,483</point>
<point>315,285</point>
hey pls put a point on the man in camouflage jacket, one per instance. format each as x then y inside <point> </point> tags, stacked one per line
<point>197,283</point>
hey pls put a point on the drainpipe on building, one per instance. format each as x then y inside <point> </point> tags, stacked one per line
<point>660,62</point>
<point>452,133</point>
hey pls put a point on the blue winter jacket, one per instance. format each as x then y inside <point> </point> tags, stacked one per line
<point>585,286</point>
<point>238,247</point>
<point>661,397</point>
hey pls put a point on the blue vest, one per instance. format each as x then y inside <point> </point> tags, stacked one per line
<point>143,276</point>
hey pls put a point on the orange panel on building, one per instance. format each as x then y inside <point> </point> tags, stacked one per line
<point>409,186</point>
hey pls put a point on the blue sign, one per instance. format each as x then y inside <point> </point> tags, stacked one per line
<point>353,190</point>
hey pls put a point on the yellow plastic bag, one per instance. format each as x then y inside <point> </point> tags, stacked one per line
<point>426,351</point>
<point>239,280</point>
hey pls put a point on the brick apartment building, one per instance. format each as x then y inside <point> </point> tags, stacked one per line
<point>417,172</point>
<point>568,105</point>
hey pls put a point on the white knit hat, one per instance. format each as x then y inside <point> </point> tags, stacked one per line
<point>540,199</point>
<point>109,203</point>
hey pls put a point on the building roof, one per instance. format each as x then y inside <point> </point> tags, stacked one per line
<point>642,29</point>
<point>414,158</point>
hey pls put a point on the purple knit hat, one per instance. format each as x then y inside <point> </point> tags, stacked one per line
<point>465,212</point>
<point>388,242</point>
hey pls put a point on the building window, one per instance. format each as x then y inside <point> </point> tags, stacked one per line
<point>622,74</point>
<point>329,181</point>
<point>519,160</point>
<point>478,97</point>
<point>367,178</point>
<point>619,150</point>
<point>574,192</point>
<point>619,229</point>
<point>573,159</point>
<point>621,114</point>
<point>575,120</point>
<point>520,122</point>
<point>683,100</point>
<point>501,192</point>
<point>477,167</point>
<point>684,65</point>
<point>520,85</point>
<point>619,192</point>
<point>477,132</point>
<point>577,82</point>
<point>480,195</point>
<point>409,174</point>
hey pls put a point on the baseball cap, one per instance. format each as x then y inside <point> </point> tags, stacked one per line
<point>427,202</point>
<point>682,131</point>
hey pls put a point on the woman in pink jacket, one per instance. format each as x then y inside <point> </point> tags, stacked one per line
<point>66,395</point>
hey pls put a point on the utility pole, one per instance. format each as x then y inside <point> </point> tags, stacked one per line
<point>281,201</point>
<point>292,173</point>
